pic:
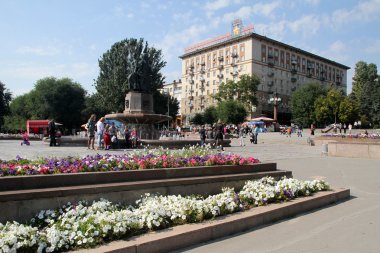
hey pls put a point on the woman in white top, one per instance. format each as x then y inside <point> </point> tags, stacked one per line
<point>99,132</point>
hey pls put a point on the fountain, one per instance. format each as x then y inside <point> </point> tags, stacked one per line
<point>138,110</point>
<point>139,113</point>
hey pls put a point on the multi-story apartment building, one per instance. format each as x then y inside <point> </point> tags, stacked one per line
<point>281,67</point>
<point>174,89</point>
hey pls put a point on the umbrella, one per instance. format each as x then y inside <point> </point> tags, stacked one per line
<point>265,119</point>
<point>255,123</point>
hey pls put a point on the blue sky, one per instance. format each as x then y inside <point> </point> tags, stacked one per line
<point>66,38</point>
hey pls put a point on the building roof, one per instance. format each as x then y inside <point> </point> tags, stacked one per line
<point>264,38</point>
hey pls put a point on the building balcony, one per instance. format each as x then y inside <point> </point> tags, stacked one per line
<point>293,71</point>
<point>293,79</point>
<point>234,55</point>
<point>270,83</point>
<point>293,88</point>
<point>234,73</point>
<point>270,62</point>
<point>220,58</point>
<point>270,74</point>
<point>309,75</point>
<point>220,67</point>
<point>203,63</point>
<point>233,64</point>
<point>220,76</point>
<point>191,81</point>
<point>202,79</point>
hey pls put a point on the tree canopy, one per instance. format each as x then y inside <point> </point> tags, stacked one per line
<point>5,98</point>
<point>366,92</point>
<point>60,99</point>
<point>302,103</point>
<point>115,66</point>
<point>231,111</point>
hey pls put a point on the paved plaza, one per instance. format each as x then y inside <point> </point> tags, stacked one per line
<point>351,226</point>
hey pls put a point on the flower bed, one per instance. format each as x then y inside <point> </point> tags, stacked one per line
<point>145,159</point>
<point>84,225</point>
<point>374,136</point>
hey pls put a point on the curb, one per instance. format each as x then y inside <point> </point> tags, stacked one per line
<point>189,234</point>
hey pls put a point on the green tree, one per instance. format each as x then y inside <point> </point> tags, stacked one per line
<point>5,98</point>
<point>302,103</point>
<point>20,111</point>
<point>322,113</point>
<point>160,105</point>
<point>197,119</point>
<point>231,111</point>
<point>364,73</point>
<point>348,110</point>
<point>210,115</point>
<point>61,99</point>
<point>92,105</point>
<point>366,92</point>
<point>243,90</point>
<point>112,82</point>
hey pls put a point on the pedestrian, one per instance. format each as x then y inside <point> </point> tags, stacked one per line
<point>202,135</point>
<point>90,127</point>
<point>219,134</point>
<point>134,138</point>
<point>107,137</point>
<point>256,133</point>
<point>241,135</point>
<point>289,132</point>
<point>127,136</point>
<point>100,132</point>
<point>299,131</point>
<point>52,133</point>
<point>349,128</point>
<point>113,135</point>
<point>344,128</point>
<point>312,129</point>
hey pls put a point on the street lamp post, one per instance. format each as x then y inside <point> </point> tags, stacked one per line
<point>275,101</point>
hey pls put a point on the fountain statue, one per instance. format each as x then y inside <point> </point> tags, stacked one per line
<point>138,109</point>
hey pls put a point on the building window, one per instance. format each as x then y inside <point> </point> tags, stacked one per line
<point>263,53</point>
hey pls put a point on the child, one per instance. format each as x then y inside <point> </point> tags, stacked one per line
<point>107,138</point>
<point>25,139</point>
<point>134,138</point>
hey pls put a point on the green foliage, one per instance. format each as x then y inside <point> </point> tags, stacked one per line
<point>61,99</point>
<point>210,115</point>
<point>348,110</point>
<point>92,105</point>
<point>5,98</point>
<point>323,113</point>
<point>366,92</point>
<point>302,103</point>
<point>112,82</point>
<point>197,119</point>
<point>160,104</point>
<point>243,90</point>
<point>231,111</point>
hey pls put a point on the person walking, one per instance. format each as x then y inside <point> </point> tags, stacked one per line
<point>299,131</point>
<point>52,133</point>
<point>256,133</point>
<point>90,127</point>
<point>241,135</point>
<point>100,132</point>
<point>219,134</point>
<point>202,135</point>
<point>127,136</point>
<point>113,136</point>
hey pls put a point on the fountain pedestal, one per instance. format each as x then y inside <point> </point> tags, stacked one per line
<point>139,113</point>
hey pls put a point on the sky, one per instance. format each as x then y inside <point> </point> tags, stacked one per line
<point>66,38</point>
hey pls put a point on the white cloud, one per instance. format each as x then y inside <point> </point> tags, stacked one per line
<point>374,48</point>
<point>40,51</point>
<point>309,24</point>
<point>219,4</point>
<point>312,2</point>
<point>263,9</point>
<point>186,16</point>
<point>363,11</point>
<point>170,76</point>
<point>172,44</point>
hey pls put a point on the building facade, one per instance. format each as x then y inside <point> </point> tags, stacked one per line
<point>282,69</point>
<point>174,89</point>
